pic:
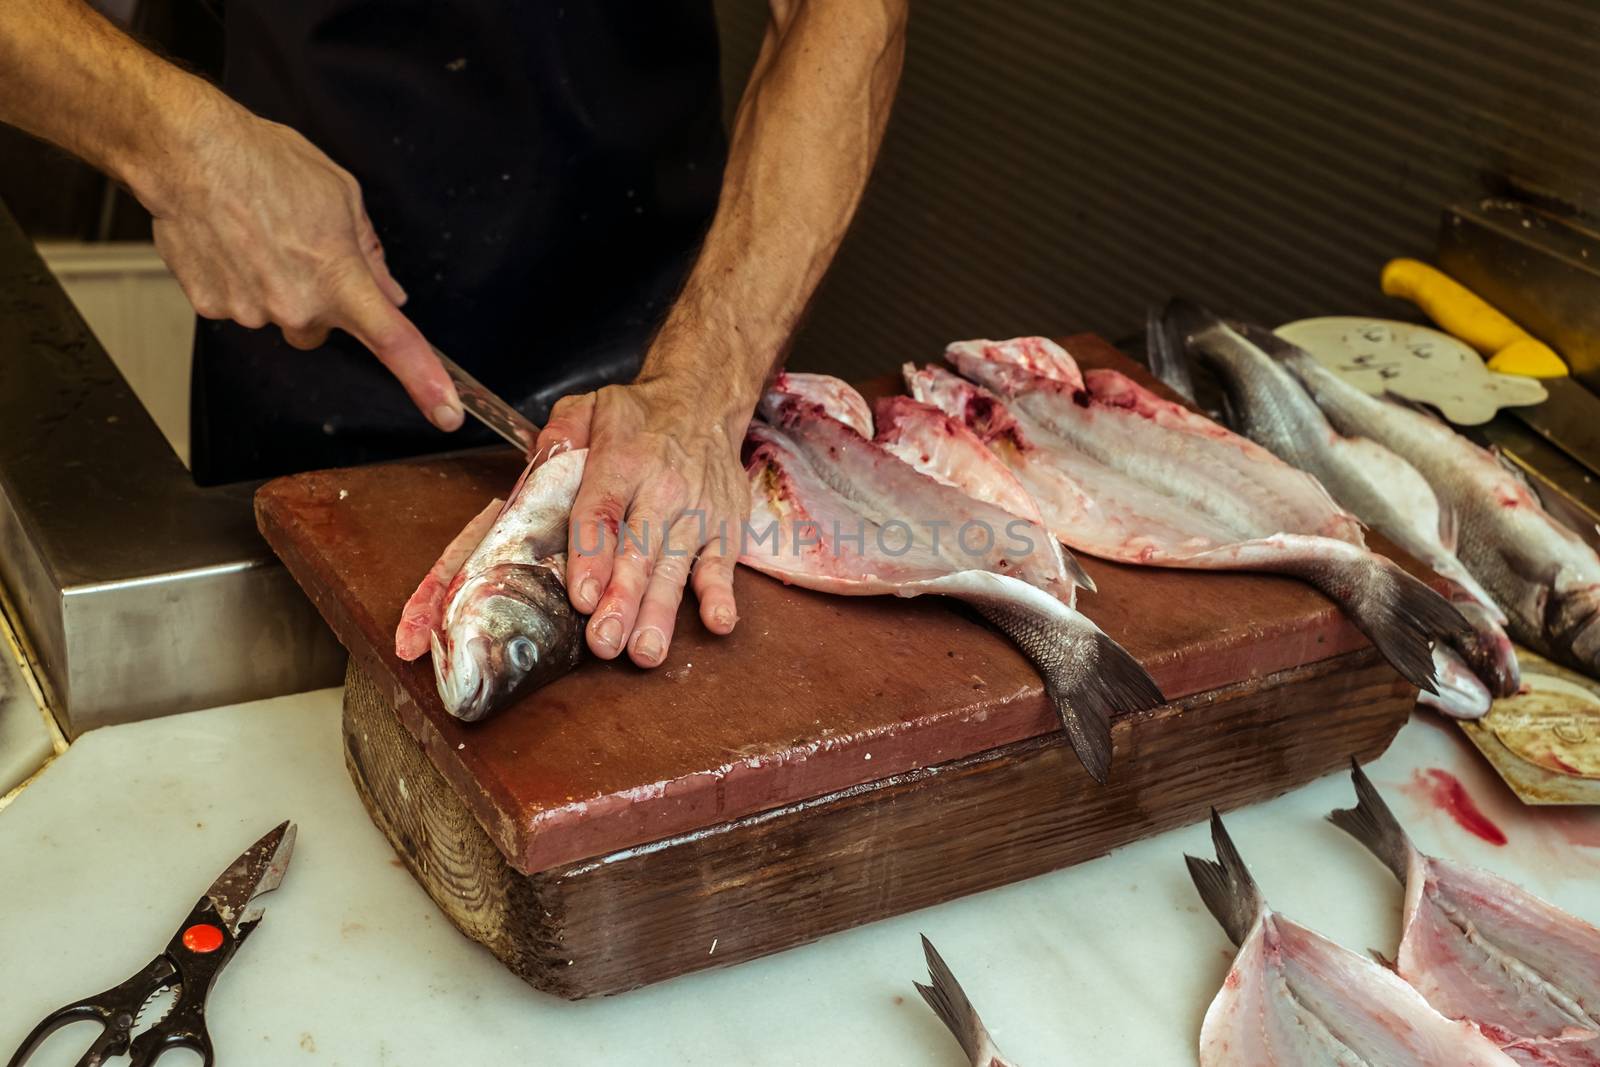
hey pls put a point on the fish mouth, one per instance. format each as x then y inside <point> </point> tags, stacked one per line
<point>460,684</point>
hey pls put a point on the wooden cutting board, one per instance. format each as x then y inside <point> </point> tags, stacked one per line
<point>818,716</point>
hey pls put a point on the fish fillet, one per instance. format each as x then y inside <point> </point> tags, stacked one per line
<point>834,512</point>
<point>1120,473</point>
<point>1482,949</point>
<point>1295,999</point>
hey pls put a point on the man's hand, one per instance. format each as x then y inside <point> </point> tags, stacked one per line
<point>257,224</point>
<point>662,485</point>
<point>664,452</point>
<point>260,227</point>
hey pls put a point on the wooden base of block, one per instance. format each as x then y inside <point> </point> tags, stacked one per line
<point>780,878</point>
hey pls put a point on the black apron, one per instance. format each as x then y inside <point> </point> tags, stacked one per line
<point>539,171</point>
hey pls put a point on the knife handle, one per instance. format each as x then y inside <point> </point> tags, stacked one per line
<point>1460,311</point>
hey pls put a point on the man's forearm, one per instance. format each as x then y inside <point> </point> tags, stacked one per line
<point>804,141</point>
<point>69,76</point>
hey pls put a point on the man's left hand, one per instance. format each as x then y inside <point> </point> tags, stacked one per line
<point>663,497</point>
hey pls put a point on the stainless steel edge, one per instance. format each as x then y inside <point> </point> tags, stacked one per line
<point>1540,268</point>
<point>140,593</point>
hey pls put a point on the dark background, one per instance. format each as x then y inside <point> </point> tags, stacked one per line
<point>1058,165</point>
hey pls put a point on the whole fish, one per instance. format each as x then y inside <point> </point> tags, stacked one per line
<point>834,512</point>
<point>949,1002</point>
<point>1123,474</point>
<point>1295,999</point>
<point>1545,578</point>
<point>1484,950</point>
<point>1270,406</point>
<point>496,615</point>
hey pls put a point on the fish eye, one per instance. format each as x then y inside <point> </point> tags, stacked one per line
<point>524,654</point>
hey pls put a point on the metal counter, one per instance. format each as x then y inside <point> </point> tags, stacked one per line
<point>140,593</point>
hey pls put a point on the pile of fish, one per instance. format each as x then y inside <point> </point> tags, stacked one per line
<point>1510,565</point>
<point>968,488</point>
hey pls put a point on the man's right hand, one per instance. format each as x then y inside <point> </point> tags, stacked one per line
<point>257,224</point>
<point>261,227</point>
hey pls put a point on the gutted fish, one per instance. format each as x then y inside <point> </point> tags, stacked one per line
<point>838,398</point>
<point>1295,999</point>
<point>949,453</point>
<point>1544,577</point>
<point>1269,405</point>
<point>949,1002</point>
<point>1482,949</point>
<point>834,512</point>
<point>1123,474</point>
<point>496,616</point>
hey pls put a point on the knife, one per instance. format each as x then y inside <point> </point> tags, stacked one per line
<point>1568,418</point>
<point>482,404</point>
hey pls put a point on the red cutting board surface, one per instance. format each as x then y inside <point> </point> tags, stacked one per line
<point>811,693</point>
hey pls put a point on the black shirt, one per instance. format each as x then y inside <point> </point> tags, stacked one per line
<point>540,174</point>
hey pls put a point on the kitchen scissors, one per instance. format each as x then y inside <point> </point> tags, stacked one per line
<point>191,961</point>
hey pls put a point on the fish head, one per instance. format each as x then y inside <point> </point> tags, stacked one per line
<point>508,630</point>
<point>1572,624</point>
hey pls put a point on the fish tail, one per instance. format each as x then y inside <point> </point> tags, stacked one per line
<point>1075,571</point>
<point>1402,616</point>
<point>1373,824</point>
<point>1165,330</point>
<point>949,1002</point>
<point>1087,676</point>
<point>1487,650</point>
<point>1227,889</point>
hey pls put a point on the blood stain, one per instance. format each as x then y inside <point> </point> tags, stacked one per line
<point>1445,791</point>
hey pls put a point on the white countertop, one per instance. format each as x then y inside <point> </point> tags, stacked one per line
<point>1113,961</point>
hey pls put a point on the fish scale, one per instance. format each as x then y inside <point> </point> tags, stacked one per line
<point>1545,578</point>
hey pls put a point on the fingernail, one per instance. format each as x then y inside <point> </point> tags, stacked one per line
<point>588,593</point>
<point>647,645</point>
<point>723,618</point>
<point>447,418</point>
<point>608,631</point>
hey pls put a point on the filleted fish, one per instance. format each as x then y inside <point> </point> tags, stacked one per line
<point>1295,999</point>
<point>1480,948</point>
<point>835,512</point>
<point>1123,474</point>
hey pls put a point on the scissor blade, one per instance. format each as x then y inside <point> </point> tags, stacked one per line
<point>257,871</point>
<point>482,404</point>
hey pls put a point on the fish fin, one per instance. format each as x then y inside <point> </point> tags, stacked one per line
<point>1373,824</point>
<point>1449,527</point>
<point>949,1002</point>
<point>1402,616</point>
<point>1099,678</point>
<point>1227,889</point>
<point>1164,330</point>
<point>1075,571</point>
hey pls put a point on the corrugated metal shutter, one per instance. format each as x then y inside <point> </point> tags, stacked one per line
<point>1058,166</point>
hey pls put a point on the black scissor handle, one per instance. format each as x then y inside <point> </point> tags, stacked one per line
<point>115,1010</point>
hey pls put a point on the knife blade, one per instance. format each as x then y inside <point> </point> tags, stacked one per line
<point>482,404</point>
